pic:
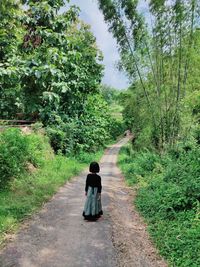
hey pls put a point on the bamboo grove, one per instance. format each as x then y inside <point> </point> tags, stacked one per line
<point>160,54</point>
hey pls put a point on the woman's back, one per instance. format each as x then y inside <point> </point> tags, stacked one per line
<point>93,180</point>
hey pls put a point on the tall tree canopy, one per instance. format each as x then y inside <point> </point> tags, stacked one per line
<point>60,58</point>
<point>50,69</point>
<point>51,58</point>
<point>157,54</point>
<point>11,33</point>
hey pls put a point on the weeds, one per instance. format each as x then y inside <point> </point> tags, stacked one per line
<point>168,198</point>
<point>27,190</point>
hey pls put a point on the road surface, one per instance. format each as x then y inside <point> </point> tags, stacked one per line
<point>58,236</point>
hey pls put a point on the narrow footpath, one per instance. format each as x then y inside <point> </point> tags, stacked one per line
<point>59,237</point>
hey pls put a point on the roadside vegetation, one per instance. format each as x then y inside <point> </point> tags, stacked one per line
<point>159,51</point>
<point>31,174</point>
<point>50,73</point>
<point>168,197</point>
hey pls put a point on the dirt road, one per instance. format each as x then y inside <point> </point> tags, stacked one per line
<point>59,237</point>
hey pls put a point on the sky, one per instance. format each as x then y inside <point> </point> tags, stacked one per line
<point>93,16</point>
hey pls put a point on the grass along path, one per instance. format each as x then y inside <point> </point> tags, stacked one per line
<point>29,192</point>
<point>58,236</point>
<point>165,189</point>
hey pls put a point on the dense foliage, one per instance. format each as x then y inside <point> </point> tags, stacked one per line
<point>60,59</point>
<point>50,70</point>
<point>168,197</point>
<point>116,121</point>
<point>159,52</point>
<point>38,175</point>
<point>17,151</point>
<point>11,33</point>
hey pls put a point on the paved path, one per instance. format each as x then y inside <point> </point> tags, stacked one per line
<point>59,237</point>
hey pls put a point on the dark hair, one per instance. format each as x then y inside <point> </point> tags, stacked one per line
<point>94,167</point>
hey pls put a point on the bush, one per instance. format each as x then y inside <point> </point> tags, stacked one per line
<point>17,149</point>
<point>168,197</point>
<point>39,149</point>
<point>25,195</point>
<point>86,132</point>
<point>14,152</point>
<point>84,157</point>
<point>136,165</point>
<point>116,128</point>
<point>143,139</point>
<point>58,139</point>
<point>61,134</point>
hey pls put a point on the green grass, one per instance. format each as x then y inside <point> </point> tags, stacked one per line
<point>168,199</point>
<point>116,111</point>
<point>28,193</point>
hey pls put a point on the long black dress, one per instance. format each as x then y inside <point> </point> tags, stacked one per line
<point>93,207</point>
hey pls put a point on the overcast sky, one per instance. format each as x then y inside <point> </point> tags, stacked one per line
<point>92,15</point>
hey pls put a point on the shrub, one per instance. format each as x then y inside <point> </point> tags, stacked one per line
<point>168,197</point>
<point>17,149</point>
<point>61,134</point>
<point>14,152</point>
<point>39,149</point>
<point>136,165</point>
<point>116,128</point>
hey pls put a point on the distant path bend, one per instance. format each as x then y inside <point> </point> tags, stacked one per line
<point>59,237</point>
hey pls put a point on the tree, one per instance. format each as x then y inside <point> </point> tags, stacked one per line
<point>109,93</point>
<point>156,58</point>
<point>11,32</point>
<point>60,60</point>
<point>52,68</point>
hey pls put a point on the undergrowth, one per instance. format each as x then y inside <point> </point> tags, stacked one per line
<point>168,198</point>
<point>32,175</point>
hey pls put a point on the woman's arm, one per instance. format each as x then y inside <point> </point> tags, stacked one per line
<point>86,185</point>
<point>99,185</point>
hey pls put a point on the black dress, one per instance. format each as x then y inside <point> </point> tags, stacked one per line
<point>93,207</point>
